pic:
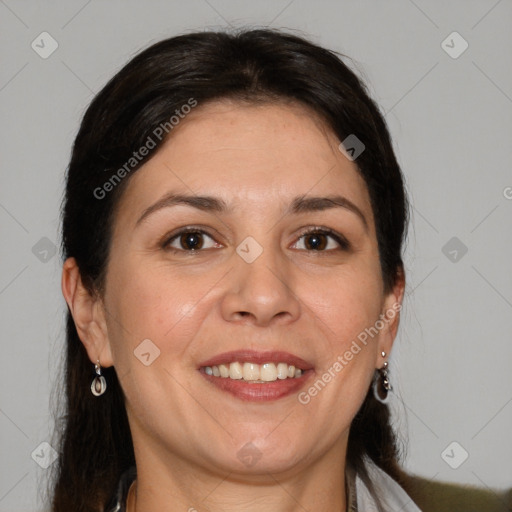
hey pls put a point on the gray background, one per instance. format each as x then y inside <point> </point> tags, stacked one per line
<point>452,125</point>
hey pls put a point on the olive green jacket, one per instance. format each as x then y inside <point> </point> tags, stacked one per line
<point>415,493</point>
<point>432,496</point>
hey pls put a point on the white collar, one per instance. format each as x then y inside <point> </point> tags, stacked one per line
<point>390,495</point>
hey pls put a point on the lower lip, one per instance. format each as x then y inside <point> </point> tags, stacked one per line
<point>256,392</point>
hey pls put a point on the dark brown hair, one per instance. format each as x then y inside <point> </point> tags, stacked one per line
<point>94,439</point>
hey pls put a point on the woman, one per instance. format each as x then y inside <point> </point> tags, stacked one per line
<point>232,232</point>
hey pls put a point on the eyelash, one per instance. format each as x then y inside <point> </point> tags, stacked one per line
<point>343,243</point>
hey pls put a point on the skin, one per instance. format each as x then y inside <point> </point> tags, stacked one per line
<point>186,432</point>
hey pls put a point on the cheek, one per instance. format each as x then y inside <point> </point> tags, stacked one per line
<point>155,315</point>
<point>156,304</point>
<point>345,303</point>
<point>343,308</point>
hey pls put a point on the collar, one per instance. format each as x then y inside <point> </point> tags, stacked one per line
<point>386,493</point>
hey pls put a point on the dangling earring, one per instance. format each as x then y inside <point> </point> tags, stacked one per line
<point>381,385</point>
<point>99,384</point>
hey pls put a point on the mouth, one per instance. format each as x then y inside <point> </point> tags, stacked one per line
<point>257,376</point>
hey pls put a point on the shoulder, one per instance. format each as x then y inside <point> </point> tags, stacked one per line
<point>434,496</point>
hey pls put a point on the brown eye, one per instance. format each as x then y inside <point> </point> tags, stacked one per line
<point>190,240</point>
<point>322,240</point>
<point>316,241</point>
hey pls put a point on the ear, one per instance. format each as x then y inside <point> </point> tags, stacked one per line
<point>88,314</point>
<point>390,316</point>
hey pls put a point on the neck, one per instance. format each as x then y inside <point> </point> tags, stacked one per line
<point>170,487</point>
<point>131,497</point>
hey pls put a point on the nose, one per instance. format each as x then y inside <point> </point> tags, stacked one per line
<point>261,292</point>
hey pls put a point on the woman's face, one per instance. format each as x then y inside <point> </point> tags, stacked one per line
<point>247,278</point>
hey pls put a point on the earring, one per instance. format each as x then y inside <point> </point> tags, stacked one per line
<point>99,384</point>
<point>381,385</point>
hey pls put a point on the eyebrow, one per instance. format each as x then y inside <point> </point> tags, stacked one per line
<point>300,204</point>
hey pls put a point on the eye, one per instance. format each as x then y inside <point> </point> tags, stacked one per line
<point>190,240</point>
<point>193,239</point>
<point>321,240</point>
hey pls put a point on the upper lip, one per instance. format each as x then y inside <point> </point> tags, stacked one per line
<point>253,356</point>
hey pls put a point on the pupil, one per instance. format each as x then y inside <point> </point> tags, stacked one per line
<point>316,241</point>
<point>191,240</point>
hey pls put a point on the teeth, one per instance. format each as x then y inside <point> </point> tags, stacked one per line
<point>254,373</point>
<point>269,372</point>
<point>235,371</point>
<point>251,371</point>
<point>282,371</point>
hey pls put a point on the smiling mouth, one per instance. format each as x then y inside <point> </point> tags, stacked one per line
<point>255,376</point>
<point>253,372</point>
<point>249,386</point>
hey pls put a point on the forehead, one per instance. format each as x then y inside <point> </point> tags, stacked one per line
<point>252,156</point>
<point>255,133</point>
